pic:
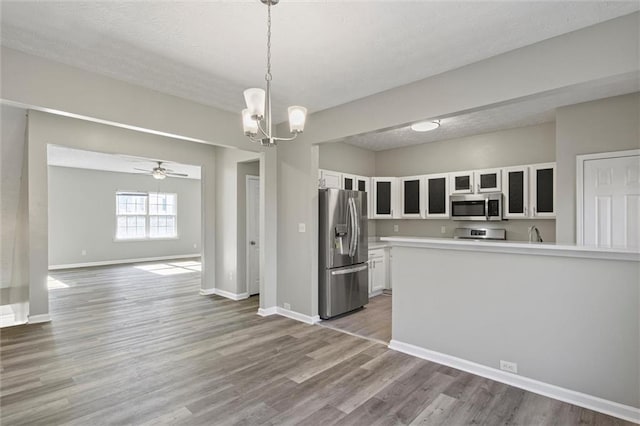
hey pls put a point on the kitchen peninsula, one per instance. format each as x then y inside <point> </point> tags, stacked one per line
<point>564,317</point>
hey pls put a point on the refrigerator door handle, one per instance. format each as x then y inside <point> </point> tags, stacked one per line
<point>356,221</point>
<point>354,227</point>
<point>349,271</point>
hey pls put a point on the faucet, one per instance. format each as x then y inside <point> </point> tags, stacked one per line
<point>534,229</point>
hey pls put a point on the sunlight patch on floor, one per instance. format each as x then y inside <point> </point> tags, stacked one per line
<point>54,284</point>
<point>172,268</point>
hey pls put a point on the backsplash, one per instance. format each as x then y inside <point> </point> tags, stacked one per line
<point>517,230</point>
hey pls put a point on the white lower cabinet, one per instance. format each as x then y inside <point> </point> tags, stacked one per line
<point>377,271</point>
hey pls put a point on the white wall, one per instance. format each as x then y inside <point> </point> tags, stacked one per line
<point>569,322</point>
<point>605,125</point>
<point>82,216</point>
<point>227,243</point>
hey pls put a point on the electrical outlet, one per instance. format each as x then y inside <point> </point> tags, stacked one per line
<point>195,245</point>
<point>83,252</point>
<point>396,228</point>
<point>443,229</point>
<point>287,306</point>
<point>230,276</point>
<point>302,227</point>
<point>511,367</point>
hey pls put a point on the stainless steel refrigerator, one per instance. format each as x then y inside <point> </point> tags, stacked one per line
<point>343,252</point>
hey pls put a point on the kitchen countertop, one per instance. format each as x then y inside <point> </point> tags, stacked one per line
<point>515,247</point>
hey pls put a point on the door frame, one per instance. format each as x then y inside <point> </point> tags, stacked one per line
<point>580,161</point>
<point>248,179</point>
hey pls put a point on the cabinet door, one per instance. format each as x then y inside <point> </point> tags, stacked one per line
<point>330,179</point>
<point>543,190</point>
<point>362,184</point>
<point>379,275</point>
<point>516,192</point>
<point>348,182</point>
<point>412,200</point>
<point>488,180</point>
<point>461,182</point>
<point>437,196</point>
<point>385,195</point>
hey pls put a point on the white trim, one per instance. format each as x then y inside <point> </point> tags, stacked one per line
<point>120,261</point>
<point>580,160</point>
<point>297,316</point>
<point>591,402</point>
<point>224,293</point>
<point>35,319</point>
<point>265,312</point>
<point>249,178</point>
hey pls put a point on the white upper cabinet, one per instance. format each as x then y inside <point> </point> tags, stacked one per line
<point>329,179</point>
<point>385,198</point>
<point>461,183</point>
<point>348,182</point>
<point>436,196</point>
<point>412,196</point>
<point>543,190</point>
<point>516,192</point>
<point>489,180</point>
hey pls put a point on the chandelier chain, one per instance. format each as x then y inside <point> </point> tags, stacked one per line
<point>267,76</point>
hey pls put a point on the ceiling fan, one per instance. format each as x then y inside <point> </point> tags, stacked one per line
<point>160,172</point>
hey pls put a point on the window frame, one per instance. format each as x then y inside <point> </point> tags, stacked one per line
<point>147,217</point>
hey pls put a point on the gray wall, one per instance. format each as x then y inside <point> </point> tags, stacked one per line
<point>82,216</point>
<point>565,321</point>
<point>342,157</point>
<point>251,168</point>
<point>513,147</point>
<point>605,125</point>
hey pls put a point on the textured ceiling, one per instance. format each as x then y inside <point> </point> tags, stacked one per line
<point>520,113</point>
<point>325,53</point>
<point>80,159</point>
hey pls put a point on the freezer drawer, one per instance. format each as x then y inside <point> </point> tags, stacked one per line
<point>343,290</point>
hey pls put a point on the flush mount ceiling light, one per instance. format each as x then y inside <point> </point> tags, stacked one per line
<point>256,118</point>
<point>425,126</point>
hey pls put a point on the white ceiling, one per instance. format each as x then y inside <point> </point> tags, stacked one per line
<point>325,53</point>
<point>80,159</point>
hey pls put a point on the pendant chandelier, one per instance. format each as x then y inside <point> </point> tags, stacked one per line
<point>256,118</point>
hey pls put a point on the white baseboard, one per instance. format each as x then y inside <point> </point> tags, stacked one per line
<point>121,261</point>
<point>307,319</point>
<point>35,319</point>
<point>591,402</point>
<point>223,293</point>
<point>268,311</point>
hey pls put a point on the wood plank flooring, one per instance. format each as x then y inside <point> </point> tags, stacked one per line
<point>372,322</point>
<point>140,346</point>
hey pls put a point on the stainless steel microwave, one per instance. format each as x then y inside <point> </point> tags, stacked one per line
<point>486,207</point>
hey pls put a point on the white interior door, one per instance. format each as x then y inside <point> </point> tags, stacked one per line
<point>253,232</point>
<point>611,201</point>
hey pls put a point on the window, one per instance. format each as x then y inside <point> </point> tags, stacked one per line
<point>141,215</point>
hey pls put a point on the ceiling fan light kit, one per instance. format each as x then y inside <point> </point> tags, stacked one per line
<point>160,172</point>
<point>256,118</point>
<point>425,126</point>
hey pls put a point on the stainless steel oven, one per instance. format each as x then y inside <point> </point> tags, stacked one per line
<point>486,207</point>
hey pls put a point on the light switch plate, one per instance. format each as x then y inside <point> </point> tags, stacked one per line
<point>302,227</point>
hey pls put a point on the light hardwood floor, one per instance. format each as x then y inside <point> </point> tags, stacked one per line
<point>135,346</point>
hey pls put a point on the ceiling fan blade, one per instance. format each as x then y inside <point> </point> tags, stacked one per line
<point>177,174</point>
<point>142,170</point>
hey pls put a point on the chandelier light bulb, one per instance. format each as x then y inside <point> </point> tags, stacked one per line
<point>254,99</point>
<point>297,118</point>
